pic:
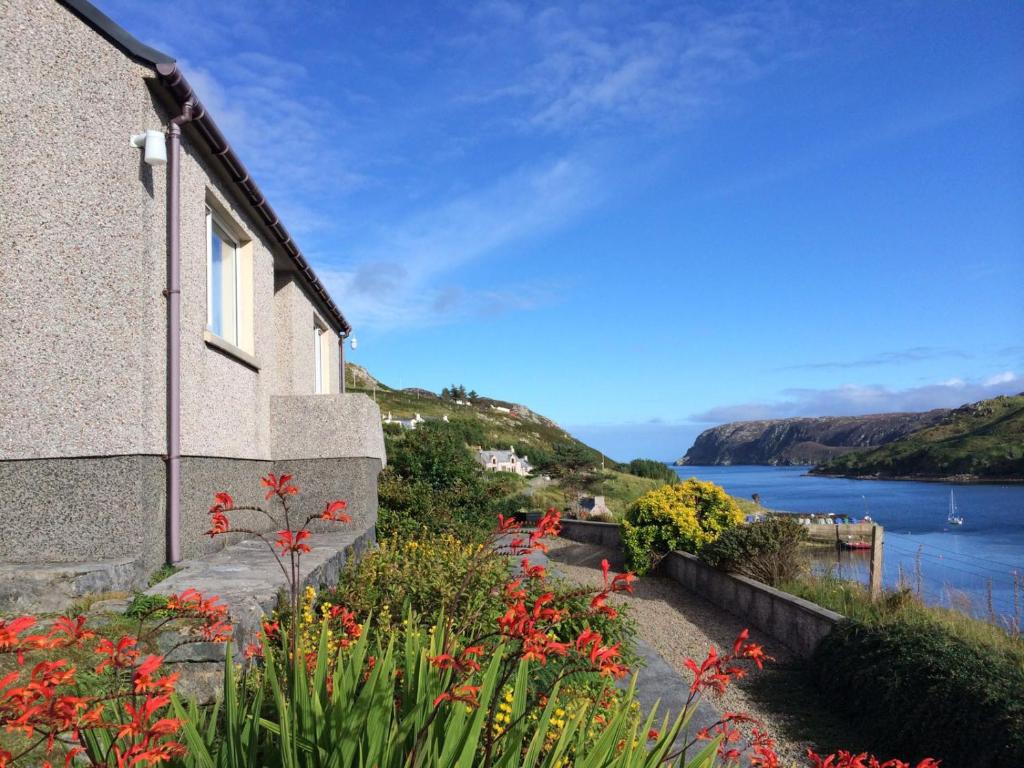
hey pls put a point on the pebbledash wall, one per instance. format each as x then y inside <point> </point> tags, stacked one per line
<point>83,318</point>
<point>797,623</point>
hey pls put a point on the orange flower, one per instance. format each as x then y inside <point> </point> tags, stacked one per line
<point>292,542</point>
<point>467,694</point>
<point>335,511</point>
<point>118,656</point>
<point>279,486</point>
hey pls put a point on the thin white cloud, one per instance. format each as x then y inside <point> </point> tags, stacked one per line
<point>854,400</point>
<point>410,275</point>
<point>896,357</point>
<point>592,67</point>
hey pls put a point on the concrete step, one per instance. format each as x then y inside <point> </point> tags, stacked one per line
<point>55,587</point>
<point>247,577</point>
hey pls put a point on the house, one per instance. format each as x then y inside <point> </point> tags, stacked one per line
<point>504,461</point>
<point>404,423</point>
<point>163,335</point>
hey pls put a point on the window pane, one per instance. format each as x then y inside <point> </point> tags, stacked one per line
<point>318,375</point>
<point>223,285</point>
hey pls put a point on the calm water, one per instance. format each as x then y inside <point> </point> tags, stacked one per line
<point>956,563</point>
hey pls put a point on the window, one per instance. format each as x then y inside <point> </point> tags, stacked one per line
<point>223,283</point>
<point>321,358</point>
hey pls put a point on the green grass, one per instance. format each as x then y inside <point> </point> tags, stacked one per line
<point>924,681</point>
<point>985,440</point>
<point>620,490</point>
<point>852,599</point>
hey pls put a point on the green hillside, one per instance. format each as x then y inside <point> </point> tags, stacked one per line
<point>983,441</point>
<point>530,433</point>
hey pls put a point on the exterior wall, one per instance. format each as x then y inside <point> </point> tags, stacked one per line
<point>294,316</point>
<point>83,509</point>
<point>82,227</point>
<point>83,319</point>
<point>225,402</point>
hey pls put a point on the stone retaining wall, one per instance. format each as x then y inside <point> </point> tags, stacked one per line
<point>799,624</point>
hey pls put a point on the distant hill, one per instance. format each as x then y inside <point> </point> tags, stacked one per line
<point>504,423</point>
<point>981,441</point>
<point>802,440</point>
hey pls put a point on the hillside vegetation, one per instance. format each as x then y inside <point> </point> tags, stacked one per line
<point>984,440</point>
<point>530,433</point>
<point>564,466</point>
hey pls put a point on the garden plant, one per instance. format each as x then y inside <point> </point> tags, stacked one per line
<point>684,516</point>
<point>459,692</point>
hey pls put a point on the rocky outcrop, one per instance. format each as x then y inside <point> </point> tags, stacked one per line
<point>802,440</point>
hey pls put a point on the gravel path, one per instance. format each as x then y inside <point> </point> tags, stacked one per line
<point>680,625</point>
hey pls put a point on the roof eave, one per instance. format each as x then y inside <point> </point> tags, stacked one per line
<point>172,78</point>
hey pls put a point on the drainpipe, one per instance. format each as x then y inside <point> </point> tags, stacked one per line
<point>341,361</point>
<point>173,294</point>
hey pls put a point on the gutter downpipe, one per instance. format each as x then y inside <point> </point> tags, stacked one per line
<point>173,294</point>
<point>341,361</point>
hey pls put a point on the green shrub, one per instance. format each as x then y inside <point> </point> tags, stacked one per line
<point>921,689</point>
<point>429,574</point>
<point>654,470</point>
<point>434,485</point>
<point>684,516</point>
<point>424,574</point>
<point>768,551</point>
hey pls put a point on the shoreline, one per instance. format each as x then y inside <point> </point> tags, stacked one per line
<point>949,479</point>
<point>961,479</point>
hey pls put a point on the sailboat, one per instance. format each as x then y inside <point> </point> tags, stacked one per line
<point>954,517</point>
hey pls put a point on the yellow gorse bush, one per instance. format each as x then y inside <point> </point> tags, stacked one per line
<point>683,516</point>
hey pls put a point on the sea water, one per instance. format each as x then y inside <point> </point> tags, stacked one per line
<point>962,566</point>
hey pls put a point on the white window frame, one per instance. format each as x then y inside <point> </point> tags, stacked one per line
<point>211,219</point>
<point>320,387</point>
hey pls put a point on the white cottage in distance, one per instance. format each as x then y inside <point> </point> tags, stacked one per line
<point>504,461</point>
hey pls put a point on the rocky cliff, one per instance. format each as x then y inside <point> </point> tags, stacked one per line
<point>802,440</point>
<point>980,441</point>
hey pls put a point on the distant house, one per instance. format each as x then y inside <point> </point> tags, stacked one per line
<point>163,335</point>
<point>504,461</point>
<point>405,423</point>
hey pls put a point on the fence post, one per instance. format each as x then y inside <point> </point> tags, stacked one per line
<point>875,573</point>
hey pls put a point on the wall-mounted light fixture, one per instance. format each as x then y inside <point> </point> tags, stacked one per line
<point>156,146</point>
<point>354,342</point>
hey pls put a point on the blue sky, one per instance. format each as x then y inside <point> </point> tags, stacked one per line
<point>643,219</point>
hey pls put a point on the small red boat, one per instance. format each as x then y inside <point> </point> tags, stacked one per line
<point>855,544</point>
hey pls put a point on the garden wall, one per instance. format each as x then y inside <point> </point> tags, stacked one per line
<point>799,624</point>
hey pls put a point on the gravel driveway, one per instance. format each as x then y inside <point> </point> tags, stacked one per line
<point>681,625</point>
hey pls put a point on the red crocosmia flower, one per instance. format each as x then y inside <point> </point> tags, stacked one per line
<point>335,511</point>
<point>292,542</point>
<point>253,651</point>
<point>120,656</point>
<point>219,524</point>
<point>10,631</point>
<point>532,571</point>
<point>506,524</point>
<point>467,694</point>
<point>652,735</point>
<point>279,486</point>
<point>69,631</point>
<point>144,681</point>
<point>222,501</point>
